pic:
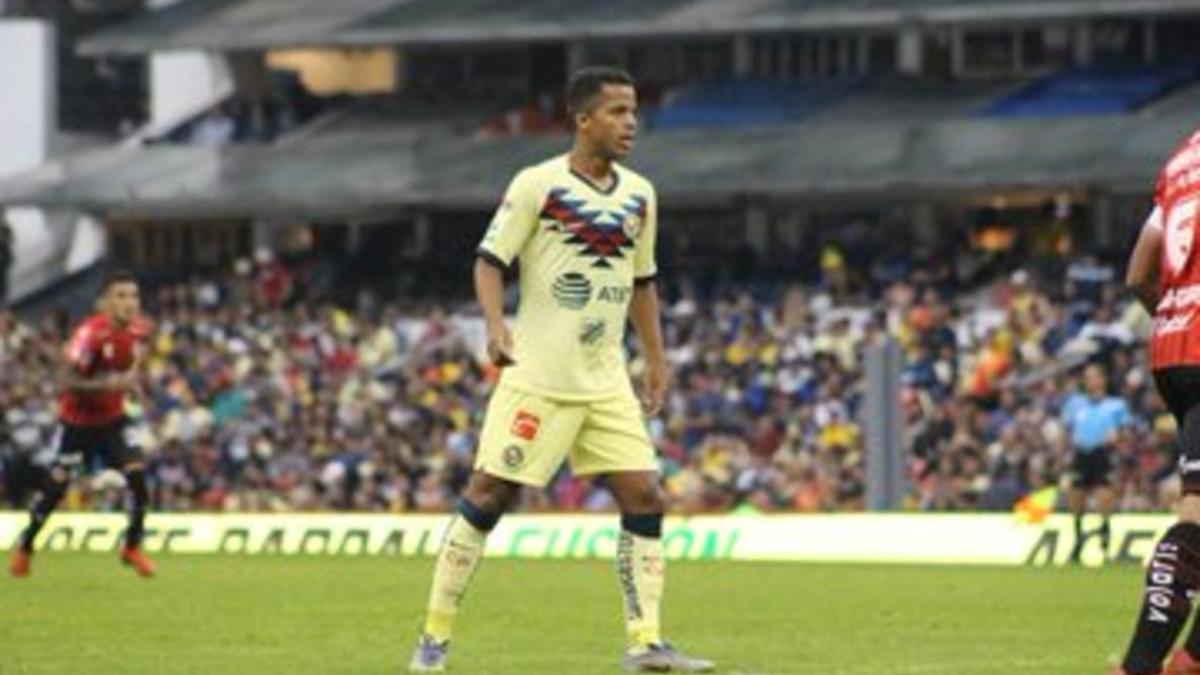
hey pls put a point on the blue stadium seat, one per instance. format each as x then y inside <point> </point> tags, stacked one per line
<point>1093,91</point>
<point>748,102</point>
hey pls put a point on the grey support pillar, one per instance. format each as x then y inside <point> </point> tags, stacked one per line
<point>910,51</point>
<point>743,56</point>
<point>883,421</point>
<point>1084,45</point>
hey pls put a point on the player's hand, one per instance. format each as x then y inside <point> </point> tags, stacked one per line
<point>500,345</point>
<point>655,381</point>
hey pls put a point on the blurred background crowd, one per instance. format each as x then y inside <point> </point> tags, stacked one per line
<point>262,394</point>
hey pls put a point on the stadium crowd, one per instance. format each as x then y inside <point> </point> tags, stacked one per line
<point>258,396</point>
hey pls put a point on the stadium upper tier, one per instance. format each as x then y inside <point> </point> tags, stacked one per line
<point>229,25</point>
<point>377,168</point>
<point>1094,91</point>
<point>892,98</point>
<point>745,103</point>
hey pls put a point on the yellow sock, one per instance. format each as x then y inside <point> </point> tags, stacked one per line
<point>461,550</point>
<point>640,568</point>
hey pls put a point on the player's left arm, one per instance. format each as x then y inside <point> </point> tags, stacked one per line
<point>1141,275</point>
<point>644,312</point>
<point>135,393</point>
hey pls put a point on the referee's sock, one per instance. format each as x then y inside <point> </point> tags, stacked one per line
<point>1105,532</point>
<point>1173,574</point>
<point>462,547</point>
<point>1077,549</point>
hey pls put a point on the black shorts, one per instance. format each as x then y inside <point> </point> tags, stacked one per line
<point>1093,468</point>
<point>1179,388</point>
<point>85,447</point>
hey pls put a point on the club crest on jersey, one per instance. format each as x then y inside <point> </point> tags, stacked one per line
<point>602,234</point>
<point>1181,234</point>
<point>633,226</point>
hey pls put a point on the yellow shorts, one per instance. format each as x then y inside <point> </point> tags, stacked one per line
<point>526,437</point>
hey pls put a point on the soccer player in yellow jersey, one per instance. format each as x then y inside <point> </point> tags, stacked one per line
<point>583,228</point>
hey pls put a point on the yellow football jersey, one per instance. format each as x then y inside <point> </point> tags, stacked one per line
<point>580,251</point>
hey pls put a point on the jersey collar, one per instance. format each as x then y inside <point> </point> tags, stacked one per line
<point>588,181</point>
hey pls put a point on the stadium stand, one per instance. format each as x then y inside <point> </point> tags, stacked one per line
<point>747,103</point>
<point>261,24</point>
<point>894,97</point>
<point>392,171</point>
<point>272,394</point>
<point>1097,91</point>
<point>267,397</point>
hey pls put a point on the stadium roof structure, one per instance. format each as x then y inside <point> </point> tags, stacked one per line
<point>231,25</point>
<point>374,172</point>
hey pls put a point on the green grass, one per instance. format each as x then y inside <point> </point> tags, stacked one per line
<point>265,615</point>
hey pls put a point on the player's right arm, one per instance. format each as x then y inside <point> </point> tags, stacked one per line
<point>76,372</point>
<point>71,379</point>
<point>515,221</point>
<point>1141,276</point>
<point>489,291</point>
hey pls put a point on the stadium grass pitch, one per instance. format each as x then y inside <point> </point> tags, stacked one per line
<point>82,613</point>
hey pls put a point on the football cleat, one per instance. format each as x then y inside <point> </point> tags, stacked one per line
<point>663,658</point>
<point>1182,663</point>
<point>18,565</point>
<point>138,561</point>
<point>429,656</point>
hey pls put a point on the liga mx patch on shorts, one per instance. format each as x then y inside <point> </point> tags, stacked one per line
<point>525,425</point>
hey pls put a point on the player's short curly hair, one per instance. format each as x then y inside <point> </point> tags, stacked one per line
<point>586,83</point>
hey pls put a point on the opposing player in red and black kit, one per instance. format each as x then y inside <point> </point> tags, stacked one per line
<point>100,368</point>
<point>1164,272</point>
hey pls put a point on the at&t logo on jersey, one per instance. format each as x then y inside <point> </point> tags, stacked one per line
<point>572,290</point>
